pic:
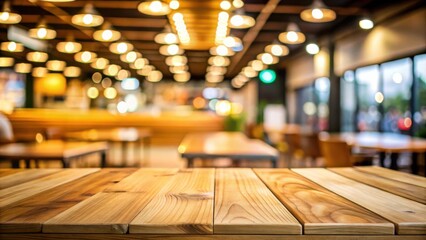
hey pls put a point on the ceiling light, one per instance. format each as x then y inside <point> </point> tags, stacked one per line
<point>249,72</point>
<point>219,61</point>
<point>182,77</point>
<point>99,63</point>
<point>238,3</point>
<point>106,34</point>
<point>112,70</point>
<point>225,5</point>
<point>277,50</point>
<point>130,56</point>
<point>318,12</point>
<point>154,76</point>
<point>146,70</point>
<point>257,65</point>
<point>37,56</point>
<point>12,47</point>
<point>123,74</point>
<point>232,42</point>
<point>72,71</point>
<point>213,78</point>
<point>69,46</point>
<point>174,4</point>
<point>55,65</point>
<point>23,67</point>
<point>85,57</point>
<point>176,60</point>
<point>366,23</point>
<point>312,48</point>
<point>88,17</point>
<point>178,69</point>
<point>139,63</point>
<point>39,72</point>
<point>92,92</point>
<point>110,93</point>
<point>42,31</point>
<point>169,50</point>
<point>6,61</point>
<point>120,47</point>
<point>166,38</point>
<point>292,35</point>
<point>241,21</point>
<point>217,69</point>
<point>7,16</point>
<point>154,8</point>
<point>267,58</point>
<point>221,50</point>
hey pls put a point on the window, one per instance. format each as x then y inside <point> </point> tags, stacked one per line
<point>348,101</point>
<point>419,115</point>
<point>306,108</point>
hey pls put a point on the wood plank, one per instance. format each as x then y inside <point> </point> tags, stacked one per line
<point>402,189</point>
<point>9,171</point>
<point>53,236</point>
<point>28,215</point>
<point>24,176</point>
<point>183,206</point>
<point>101,213</point>
<point>408,215</point>
<point>321,211</point>
<point>144,180</point>
<point>28,189</point>
<point>244,205</point>
<point>395,175</point>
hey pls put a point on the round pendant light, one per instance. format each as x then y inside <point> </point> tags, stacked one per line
<point>130,57</point>
<point>39,72</point>
<point>221,50</point>
<point>106,34</point>
<point>37,56</point>
<point>120,47</point>
<point>85,57</point>
<point>278,50</point>
<point>267,58</point>
<point>12,47</point>
<point>55,65</point>
<point>69,46</point>
<point>42,31</point>
<point>213,78</point>
<point>23,67</point>
<point>72,71</point>
<point>241,21</point>
<point>292,35</point>
<point>182,77</point>
<point>217,70</point>
<point>257,65</point>
<point>166,38</point>
<point>170,50</point>
<point>139,63</point>
<point>154,76</point>
<point>178,69</point>
<point>176,61</point>
<point>112,70</point>
<point>6,61</point>
<point>219,61</point>
<point>7,16</point>
<point>146,70</point>
<point>99,63</point>
<point>88,17</point>
<point>154,8</point>
<point>123,74</point>
<point>318,12</point>
<point>249,72</point>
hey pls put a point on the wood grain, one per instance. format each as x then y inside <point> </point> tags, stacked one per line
<point>408,215</point>
<point>402,189</point>
<point>24,176</point>
<point>321,211</point>
<point>28,189</point>
<point>183,206</point>
<point>244,205</point>
<point>101,213</point>
<point>395,175</point>
<point>8,171</point>
<point>28,215</point>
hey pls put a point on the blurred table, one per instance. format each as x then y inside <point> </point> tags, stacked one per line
<point>233,145</point>
<point>51,150</point>
<point>123,136</point>
<point>386,143</point>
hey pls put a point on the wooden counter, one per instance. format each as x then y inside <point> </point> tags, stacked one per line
<point>166,128</point>
<point>339,203</point>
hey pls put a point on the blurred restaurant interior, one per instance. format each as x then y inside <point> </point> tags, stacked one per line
<point>234,118</point>
<point>176,67</point>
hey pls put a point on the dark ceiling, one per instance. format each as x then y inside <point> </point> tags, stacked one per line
<point>140,29</point>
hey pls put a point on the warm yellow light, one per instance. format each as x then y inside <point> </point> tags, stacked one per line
<point>72,71</point>
<point>120,47</point>
<point>216,70</point>
<point>110,93</point>
<point>379,97</point>
<point>267,58</point>
<point>39,72</point>
<point>277,50</point>
<point>292,35</point>
<point>52,84</point>
<point>8,17</point>
<point>23,67</point>
<point>42,31</point>
<point>225,5</point>
<point>182,77</point>
<point>249,72</point>
<point>112,70</point>
<point>318,13</point>
<point>312,48</point>
<point>238,3</point>
<point>12,47</point>
<point>123,74</point>
<point>174,4</point>
<point>176,61</point>
<point>214,78</point>
<point>6,61</point>
<point>139,63</point>
<point>223,107</point>
<point>178,69</point>
<point>219,61</point>
<point>366,24</point>
<point>106,34</point>
<point>257,65</point>
<point>99,63</point>
<point>85,57</point>
<point>169,50</point>
<point>154,76</point>
<point>166,38</point>
<point>55,65</point>
<point>145,70</point>
<point>106,82</point>
<point>154,7</point>
<point>88,17</point>
<point>130,57</point>
<point>97,77</point>
<point>68,47</point>
<point>92,92</point>
<point>240,21</point>
<point>37,56</point>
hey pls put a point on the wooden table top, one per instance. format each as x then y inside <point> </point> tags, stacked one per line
<point>225,144</point>
<point>310,203</point>
<point>390,142</point>
<point>111,135</point>
<point>52,149</point>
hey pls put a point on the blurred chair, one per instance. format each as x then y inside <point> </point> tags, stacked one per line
<point>338,153</point>
<point>309,143</point>
<point>293,146</point>
<point>6,131</point>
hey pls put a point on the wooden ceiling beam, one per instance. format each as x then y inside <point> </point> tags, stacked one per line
<point>289,9</point>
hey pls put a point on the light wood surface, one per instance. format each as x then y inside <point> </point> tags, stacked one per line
<point>7,171</point>
<point>406,190</point>
<point>21,177</point>
<point>244,205</point>
<point>315,204</point>
<point>29,214</point>
<point>319,210</point>
<point>408,215</point>
<point>183,206</point>
<point>111,135</point>
<point>54,149</point>
<point>395,175</point>
<point>28,189</point>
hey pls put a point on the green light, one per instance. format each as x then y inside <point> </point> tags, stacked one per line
<point>267,76</point>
